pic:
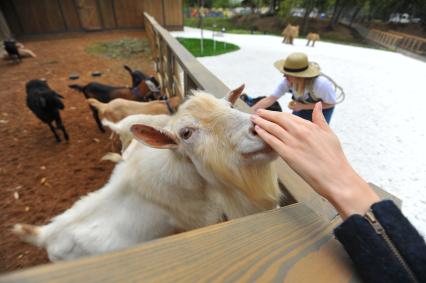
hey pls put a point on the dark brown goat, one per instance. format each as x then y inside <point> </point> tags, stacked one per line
<point>143,89</point>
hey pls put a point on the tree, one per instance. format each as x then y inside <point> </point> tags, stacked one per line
<point>309,6</point>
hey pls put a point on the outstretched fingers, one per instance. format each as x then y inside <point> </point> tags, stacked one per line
<point>272,128</point>
<point>318,117</point>
<point>275,143</point>
<point>285,120</point>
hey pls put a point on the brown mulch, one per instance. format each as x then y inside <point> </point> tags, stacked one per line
<point>47,176</point>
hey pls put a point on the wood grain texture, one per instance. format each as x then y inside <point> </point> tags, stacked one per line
<point>11,16</point>
<point>172,16</point>
<point>88,11</point>
<point>4,27</point>
<point>155,9</point>
<point>70,14</point>
<point>39,17</point>
<point>129,13</point>
<point>290,244</point>
<point>107,13</point>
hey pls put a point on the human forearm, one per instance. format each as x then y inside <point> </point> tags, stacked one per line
<point>264,103</point>
<point>315,153</point>
<point>310,106</point>
<point>350,194</point>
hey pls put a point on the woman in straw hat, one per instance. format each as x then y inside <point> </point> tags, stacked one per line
<point>307,85</point>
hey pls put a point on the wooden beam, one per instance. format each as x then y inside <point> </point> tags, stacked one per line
<point>291,244</point>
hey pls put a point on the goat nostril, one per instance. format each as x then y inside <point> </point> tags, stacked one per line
<point>252,130</point>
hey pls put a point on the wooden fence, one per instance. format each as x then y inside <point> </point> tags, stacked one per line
<point>25,17</point>
<point>393,40</point>
<point>290,244</point>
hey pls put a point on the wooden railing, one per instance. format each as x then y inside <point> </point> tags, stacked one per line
<point>386,39</point>
<point>411,43</point>
<point>393,40</point>
<point>173,62</point>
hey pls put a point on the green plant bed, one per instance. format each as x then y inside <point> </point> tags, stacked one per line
<point>120,49</point>
<point>194,46</point>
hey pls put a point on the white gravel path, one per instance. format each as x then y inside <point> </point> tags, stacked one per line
<point>381,123</point>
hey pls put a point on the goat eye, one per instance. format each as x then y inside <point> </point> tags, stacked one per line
<point>185,133</point>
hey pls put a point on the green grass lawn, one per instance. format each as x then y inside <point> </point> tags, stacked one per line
<point>220,23</point>
<point>194,46</point>
<point>120,49</point>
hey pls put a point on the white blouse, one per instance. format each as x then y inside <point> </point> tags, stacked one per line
<point>322,87</point>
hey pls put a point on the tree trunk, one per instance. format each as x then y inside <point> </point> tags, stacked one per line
<point>272,6</point>
<point>335,20</point>
<point>355,14</point>
<point>305,23</point>
<point>336,6</point>
<point>339,14</point>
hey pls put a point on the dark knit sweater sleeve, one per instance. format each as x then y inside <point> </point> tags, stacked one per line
<point>372,255</point>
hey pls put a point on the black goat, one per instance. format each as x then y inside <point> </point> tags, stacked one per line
<point>12,49</point>
<point>45,103</point>
<point>138,77</point>
<point>146,89</point>
<point>250,101</point>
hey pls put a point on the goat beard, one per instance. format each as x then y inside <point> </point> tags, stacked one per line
<point>258,181</point>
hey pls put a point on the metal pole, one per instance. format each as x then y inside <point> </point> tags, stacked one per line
<point>201,25</point>
<point>224,41</point>
<point>214,41</point>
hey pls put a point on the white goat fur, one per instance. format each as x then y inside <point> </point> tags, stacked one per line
<point>122,128</point>
<point>222,169</point>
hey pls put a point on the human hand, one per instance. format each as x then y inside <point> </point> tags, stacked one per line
<point>295,106</point>
<point>315,153</point>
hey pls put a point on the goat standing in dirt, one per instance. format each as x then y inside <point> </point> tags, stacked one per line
<point>16,51</point>
<point>206,164</point>
<point>45,104</point>
<point>146,90</point>
<point>118,109</point>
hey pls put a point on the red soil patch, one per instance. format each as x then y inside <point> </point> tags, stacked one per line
<point>28,149</point>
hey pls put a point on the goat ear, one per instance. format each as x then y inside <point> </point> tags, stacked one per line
<point>235,94</point>
<point>154,137</point>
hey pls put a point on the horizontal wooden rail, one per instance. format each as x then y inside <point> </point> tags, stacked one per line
<point>291,244</point>
<point>405,43</point>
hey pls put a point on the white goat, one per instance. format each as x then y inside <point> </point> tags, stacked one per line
<point>206,163</point>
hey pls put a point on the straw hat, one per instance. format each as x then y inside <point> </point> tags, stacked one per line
<point>297,65</point>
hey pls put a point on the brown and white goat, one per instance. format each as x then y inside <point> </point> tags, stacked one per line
<point>146,90</point>
<point>204,165</point>
<point>118,109</point>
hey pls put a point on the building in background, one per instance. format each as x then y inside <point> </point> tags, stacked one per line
<point>52,16</point>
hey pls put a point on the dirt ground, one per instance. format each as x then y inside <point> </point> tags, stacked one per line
<point>40,178</point>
